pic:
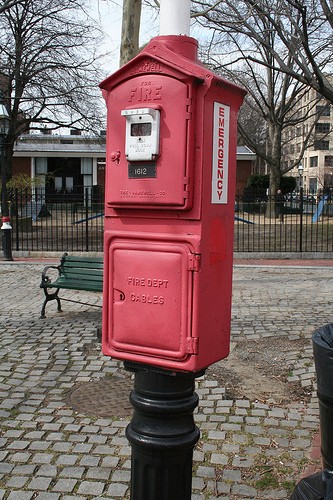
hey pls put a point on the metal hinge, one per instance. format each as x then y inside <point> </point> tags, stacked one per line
<point>194,262</point>
<point>186,187</point>
<point>188,108</point>
<point>192,345</point>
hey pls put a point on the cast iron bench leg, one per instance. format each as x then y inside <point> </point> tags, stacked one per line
<point>48,298</point>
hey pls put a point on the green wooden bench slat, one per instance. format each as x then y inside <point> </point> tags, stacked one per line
<point>81,272</point>
<point>76,285</point>
<point>81,261</point>
<point>82,277</point>
<point>82,265</point>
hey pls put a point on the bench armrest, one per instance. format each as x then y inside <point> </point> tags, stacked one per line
<point>45,278</point>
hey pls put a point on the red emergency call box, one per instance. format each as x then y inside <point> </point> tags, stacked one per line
<point>169,208</point>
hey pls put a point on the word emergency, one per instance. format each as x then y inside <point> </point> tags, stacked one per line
<point>220,153</point>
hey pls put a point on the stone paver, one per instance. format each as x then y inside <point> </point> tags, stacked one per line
<point>51,452</point>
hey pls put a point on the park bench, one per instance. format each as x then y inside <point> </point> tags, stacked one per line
<point>74,273</point>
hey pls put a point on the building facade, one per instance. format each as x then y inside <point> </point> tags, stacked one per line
<point>63,164</point>
<point>316,132</point>
<point>71,164</point>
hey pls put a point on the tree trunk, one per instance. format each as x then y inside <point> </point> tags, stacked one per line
<point>130,30</point>
<point>274,145</point>
<point>274,184</point>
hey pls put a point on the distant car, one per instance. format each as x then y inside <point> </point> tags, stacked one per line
<point>309,198</point>
<point>292,197</point>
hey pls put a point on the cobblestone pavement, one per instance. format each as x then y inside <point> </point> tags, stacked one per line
<point>249,448</point>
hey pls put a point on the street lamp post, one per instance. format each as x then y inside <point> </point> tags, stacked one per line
<point>300,169</point>
<point>6,228</point>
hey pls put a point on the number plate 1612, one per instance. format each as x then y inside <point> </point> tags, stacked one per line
<point>141,171</point>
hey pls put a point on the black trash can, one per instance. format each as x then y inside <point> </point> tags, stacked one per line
<point>319,486</point>
<point>322,342</point>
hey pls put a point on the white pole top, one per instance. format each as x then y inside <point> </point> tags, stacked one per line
<point>175,17</point>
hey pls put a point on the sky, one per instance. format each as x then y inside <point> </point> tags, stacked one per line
<point>109,14</point>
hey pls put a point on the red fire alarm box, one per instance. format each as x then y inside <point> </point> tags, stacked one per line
<point>169,196</point>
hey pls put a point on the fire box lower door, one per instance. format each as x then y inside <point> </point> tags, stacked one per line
<point>149,296</point>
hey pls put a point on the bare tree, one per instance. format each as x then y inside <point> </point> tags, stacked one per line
<point>303,30</point>
<point>49,67</point>
<point>246,48</point>
<point>7,4</point>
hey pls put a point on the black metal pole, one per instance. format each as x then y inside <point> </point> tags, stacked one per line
<point>6,228</point>
<point>17,220</point>
<point>162,433</point>
<point>86,197</point>
<point>301,216</point>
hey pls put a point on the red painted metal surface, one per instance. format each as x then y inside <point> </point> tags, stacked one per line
<point>169,217</point>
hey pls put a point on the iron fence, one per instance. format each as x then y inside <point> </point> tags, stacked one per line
<point>296,224</point>
<point>75,222</point>
<point>71,222</point>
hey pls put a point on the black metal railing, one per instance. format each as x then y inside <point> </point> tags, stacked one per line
<point>267,224</point>
<point>44,222</point>
<point>75,222</point>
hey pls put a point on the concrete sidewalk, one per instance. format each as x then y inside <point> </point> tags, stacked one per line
<point>59,441</point>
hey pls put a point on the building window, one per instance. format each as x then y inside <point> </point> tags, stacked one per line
<point>86,166</point>
<point>322,128</point>
<point>313,161</point>
<point>58,184</point>
<point>328,161</point>
<point>313,185</point>
<point>323,110</point>
<point>321,145</point>
<point>328,181</point>
<point>41,166</point>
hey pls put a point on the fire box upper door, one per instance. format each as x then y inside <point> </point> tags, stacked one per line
<point>151,299</point>
<point>143,111</point>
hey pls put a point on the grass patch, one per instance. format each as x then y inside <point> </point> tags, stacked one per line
<point>267,481</point>
<point>289,486</point>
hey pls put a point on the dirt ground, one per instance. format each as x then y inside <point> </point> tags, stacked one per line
<point>258,371</point>
<point>254,370</point>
